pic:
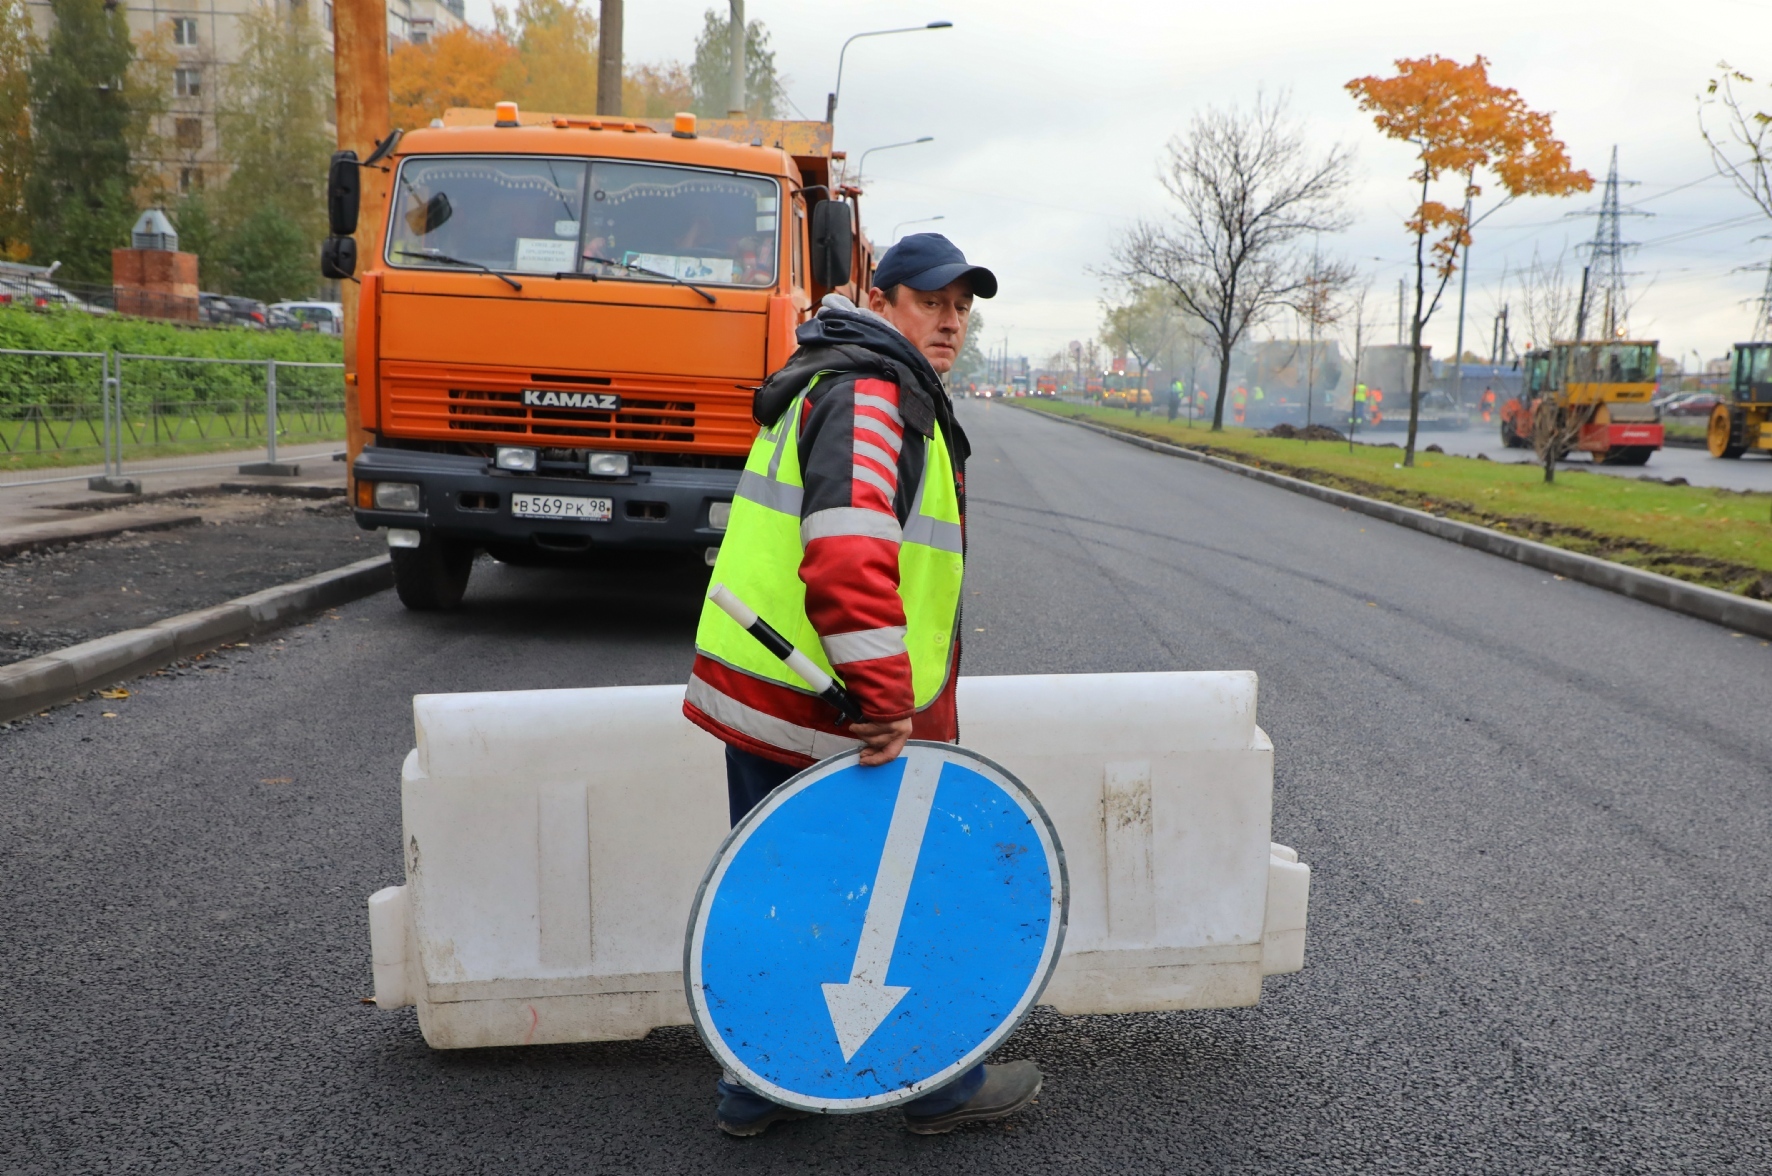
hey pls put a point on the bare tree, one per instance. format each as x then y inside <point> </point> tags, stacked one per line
<point>1740,139</point>
<point>1547,299</point>
<point>1247,191</point>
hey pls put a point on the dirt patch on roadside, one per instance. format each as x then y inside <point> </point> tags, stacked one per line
<point>247,542</point>
<point>1740,579</point>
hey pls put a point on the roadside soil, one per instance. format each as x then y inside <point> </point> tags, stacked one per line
<point>50,599</point>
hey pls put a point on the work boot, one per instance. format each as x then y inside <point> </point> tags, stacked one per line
<point>745,1113</point>
<point>1006,1090</point>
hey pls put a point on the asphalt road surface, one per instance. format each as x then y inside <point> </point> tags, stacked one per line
<point>1697,466</point>
<point>1537,815</point>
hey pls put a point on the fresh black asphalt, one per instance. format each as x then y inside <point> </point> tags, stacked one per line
<point>1537,816</point>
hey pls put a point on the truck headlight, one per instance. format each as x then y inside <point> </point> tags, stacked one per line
<point>396,496</point>
<point>609,465</point>
<point>512,458</point>
<point>719,515</point>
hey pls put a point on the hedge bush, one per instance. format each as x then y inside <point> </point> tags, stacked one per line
<point>27,379</point>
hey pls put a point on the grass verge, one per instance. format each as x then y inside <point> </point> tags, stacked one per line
<point>1719,538</point>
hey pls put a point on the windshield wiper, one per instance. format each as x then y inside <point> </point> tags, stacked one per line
<point>651,273</point>
<point>448,260</point>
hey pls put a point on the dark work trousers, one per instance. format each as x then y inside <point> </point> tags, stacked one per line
<point>750,778</point>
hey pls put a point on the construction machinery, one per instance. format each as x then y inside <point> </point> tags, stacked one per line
<point>1592,396</point>
<point>1738,424</point>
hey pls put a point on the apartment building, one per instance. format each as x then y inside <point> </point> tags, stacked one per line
<point>205,39</point>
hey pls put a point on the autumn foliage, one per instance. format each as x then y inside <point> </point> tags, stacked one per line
<point>463,67</point>
<point>1461,124</point>
<point>544,59</point>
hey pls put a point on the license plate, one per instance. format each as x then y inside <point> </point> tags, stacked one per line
<point>552,506</point>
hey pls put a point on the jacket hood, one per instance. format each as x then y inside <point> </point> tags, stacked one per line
<point>845,338</point>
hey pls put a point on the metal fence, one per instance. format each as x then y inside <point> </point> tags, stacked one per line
<point>120,412</point>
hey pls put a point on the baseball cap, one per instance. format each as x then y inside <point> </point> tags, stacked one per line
<point>929,261</point>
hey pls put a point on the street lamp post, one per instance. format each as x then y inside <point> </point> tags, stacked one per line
<point>862,167</point>
<point>922,220</point>
<point>830,105</point>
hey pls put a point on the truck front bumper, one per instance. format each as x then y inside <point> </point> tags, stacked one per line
<point>464,499</point>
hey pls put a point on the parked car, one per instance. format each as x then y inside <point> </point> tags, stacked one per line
<point>326,317</point>
<point>42,293</point>
<point>1697,404</point>
<point>232,310</point>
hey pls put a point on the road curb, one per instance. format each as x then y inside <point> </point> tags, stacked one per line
<point>64,534</point>
<point>27,687</point>
<point>1694,600</point>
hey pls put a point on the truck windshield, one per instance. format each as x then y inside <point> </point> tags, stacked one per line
<point>531,215</point>
<point>1613,363</point>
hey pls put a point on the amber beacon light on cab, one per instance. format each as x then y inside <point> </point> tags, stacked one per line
<point>561,321</point>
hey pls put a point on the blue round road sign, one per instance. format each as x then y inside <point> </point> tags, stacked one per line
<point>866,935</point>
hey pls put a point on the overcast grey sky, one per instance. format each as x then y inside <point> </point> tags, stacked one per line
<point>1049,121</point>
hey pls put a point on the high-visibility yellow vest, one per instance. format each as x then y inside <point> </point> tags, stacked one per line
<point>760,558</point>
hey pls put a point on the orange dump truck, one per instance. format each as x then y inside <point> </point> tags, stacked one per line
<point>561,323</point>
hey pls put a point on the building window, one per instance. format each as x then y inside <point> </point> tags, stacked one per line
<point>189,133</point>
<point>326,15</point>
<point>184,30</point>
<point>190,179</point>
<point>187,83</point>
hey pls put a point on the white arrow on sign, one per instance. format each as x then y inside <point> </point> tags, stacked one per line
<point>863,1002</point>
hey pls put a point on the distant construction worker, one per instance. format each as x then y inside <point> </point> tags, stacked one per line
<point>847,536</point>
<point>1488,405</point>
<point>1239,404</point>
<point>1354,418</point>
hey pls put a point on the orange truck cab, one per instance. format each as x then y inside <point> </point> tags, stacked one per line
<point>561,323</point>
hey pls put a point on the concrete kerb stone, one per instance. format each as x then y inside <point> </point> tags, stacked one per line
<point>27,687</point>
<point>1694,600</point>
<point>32,537</point>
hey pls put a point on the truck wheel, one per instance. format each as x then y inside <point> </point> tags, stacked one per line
<point>432,576</point>
<point>1720,437</point>
<point>1630,455</point>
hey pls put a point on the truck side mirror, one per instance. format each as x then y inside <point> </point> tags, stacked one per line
<point>344,193</point>
<point>338,257</point>
<point>833,243</point>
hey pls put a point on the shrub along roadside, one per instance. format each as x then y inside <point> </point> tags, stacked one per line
<point>1720,538</point>
<point>41,380</point>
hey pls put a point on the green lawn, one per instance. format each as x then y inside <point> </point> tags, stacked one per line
<point>1717,537</point>
<point>79,442</point>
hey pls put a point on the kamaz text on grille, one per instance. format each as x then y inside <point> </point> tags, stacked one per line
<point>600,401</point>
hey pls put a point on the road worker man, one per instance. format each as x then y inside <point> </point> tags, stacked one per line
<point>847,536</point>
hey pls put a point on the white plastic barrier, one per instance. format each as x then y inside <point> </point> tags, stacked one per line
<point>554,840</point>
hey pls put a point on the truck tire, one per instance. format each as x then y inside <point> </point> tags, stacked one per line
<point>1630,455</point>
<point>432,576</point>
<point>1723,436</point>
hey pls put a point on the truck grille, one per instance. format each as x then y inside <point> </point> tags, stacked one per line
<point>656,414</point>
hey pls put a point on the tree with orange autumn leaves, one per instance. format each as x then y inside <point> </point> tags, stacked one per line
<point>1460,124</point>
<point>543,55</point>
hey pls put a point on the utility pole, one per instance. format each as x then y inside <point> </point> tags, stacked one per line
<point>735,34</point>
<point>360,83</point>
<point>1464,281</point>
<point>609,58</point>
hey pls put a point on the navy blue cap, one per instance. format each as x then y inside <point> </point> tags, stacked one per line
<point>929,261</point>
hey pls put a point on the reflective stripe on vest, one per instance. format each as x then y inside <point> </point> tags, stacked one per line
<point>765,542</point>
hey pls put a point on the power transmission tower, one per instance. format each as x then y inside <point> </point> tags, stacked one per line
<point>1604,299</point>
<point>1763,312</point>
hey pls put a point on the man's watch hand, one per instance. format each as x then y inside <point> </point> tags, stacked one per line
<point>884,740</point>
